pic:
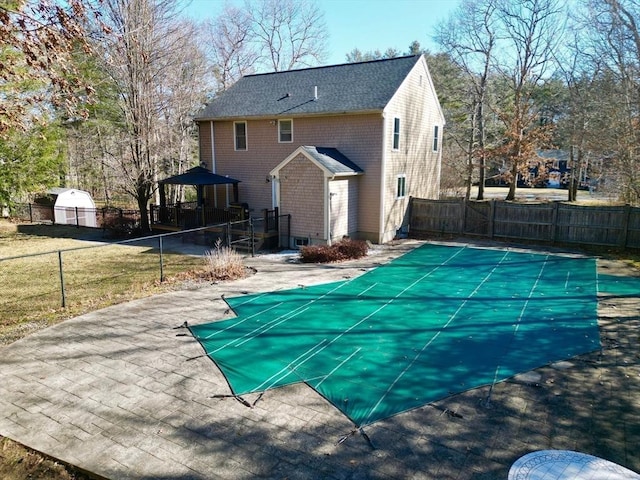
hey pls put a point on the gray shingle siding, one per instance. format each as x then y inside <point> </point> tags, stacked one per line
<point>354,87</point>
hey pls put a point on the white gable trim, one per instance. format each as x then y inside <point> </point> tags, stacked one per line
<point>275,173</point>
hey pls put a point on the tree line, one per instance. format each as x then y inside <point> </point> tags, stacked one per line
<point>101,95</point>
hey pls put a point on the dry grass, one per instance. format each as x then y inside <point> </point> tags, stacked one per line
<point>19,463</point>
<point>224,263</point>
<point>93,277</point>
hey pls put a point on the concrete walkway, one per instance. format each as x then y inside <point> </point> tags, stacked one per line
<point>120,393</point>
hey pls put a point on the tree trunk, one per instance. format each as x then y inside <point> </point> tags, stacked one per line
<point>481,135</point>
<point>514,182</point>
<point>143,202</point>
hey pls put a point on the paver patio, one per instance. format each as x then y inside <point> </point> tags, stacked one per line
<point>117,393</point>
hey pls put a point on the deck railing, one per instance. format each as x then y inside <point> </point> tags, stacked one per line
<point>188,215</point>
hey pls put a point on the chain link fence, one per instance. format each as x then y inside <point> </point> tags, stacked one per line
<point>95,273</point>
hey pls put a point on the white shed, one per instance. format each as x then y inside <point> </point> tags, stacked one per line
<point>73,207</point>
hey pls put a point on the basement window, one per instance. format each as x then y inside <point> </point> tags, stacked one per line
<point>301,241</point>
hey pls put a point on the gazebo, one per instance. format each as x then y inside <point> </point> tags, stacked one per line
<point>194,214</point>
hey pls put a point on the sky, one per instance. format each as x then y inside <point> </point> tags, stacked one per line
<point>364,24</point>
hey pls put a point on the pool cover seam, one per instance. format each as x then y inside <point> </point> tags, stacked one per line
<point>433,338</point>
<point>524,307</point>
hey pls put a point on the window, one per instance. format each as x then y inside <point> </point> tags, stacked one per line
<point>285,131</point>
<point>240,132</point>
<point>396,133</point>
<point>435,138</point>
<point>301,241</point>
<point>401,189</point>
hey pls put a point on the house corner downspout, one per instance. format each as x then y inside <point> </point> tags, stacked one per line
<point>275,190</point>
<point>327,210</point>
<point>213,166</point>
<point>383,177</point>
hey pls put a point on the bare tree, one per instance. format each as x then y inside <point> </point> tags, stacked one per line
<point>613,44</point>
<point>145,47</point>
<point>288,33</point>
<point>532,30</point>
<point>232,51</point>
<point>470,38</point>
<point>181,94</point>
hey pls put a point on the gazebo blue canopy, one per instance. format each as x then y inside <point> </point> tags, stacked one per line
<point>198,177</point>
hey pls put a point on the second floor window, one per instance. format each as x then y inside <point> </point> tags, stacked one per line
<point>396,133</point>
<point>401,186</point>
<point>435,138</point>
<point>240,133</point>
<point>285,131</point>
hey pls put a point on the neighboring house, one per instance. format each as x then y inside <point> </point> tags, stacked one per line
<point>340,148</point>
<point>557,167</point>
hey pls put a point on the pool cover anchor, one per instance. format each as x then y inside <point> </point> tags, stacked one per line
<point>359,430</point>
<point>447,411</point>
<point>236,397</point>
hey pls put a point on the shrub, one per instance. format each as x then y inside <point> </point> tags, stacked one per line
<point>345,249</point>
<point>121,227</point>
<point>223,263</point>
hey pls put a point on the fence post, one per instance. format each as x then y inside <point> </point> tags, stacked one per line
<point>554,222</point>
<point>30,214</point>
<point>463,223</point>
<point>624,234</point>
<point>228,235</point>
<point>77,219</point>
<point>492,217</point>
<point>64,300</point>
<point>253,243</point>
<point>161,259</point>
<point>265,220</point>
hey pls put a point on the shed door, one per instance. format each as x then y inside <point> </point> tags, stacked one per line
<point>343,207</point>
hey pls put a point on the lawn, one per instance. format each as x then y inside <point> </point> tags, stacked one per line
<point>96,274</point>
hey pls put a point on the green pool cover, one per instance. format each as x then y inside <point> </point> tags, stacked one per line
<point>436,321</point>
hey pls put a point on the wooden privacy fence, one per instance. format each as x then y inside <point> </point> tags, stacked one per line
<point>555,222</point>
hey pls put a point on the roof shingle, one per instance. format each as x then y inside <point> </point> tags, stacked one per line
<point>353,87</point>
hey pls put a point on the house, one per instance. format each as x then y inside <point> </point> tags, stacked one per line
<point>340,148</point>
<point>558,171</point>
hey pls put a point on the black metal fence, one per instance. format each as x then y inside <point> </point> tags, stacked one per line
<point>105,217</point>
<point>554,222</point>
<point>270,231</point>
